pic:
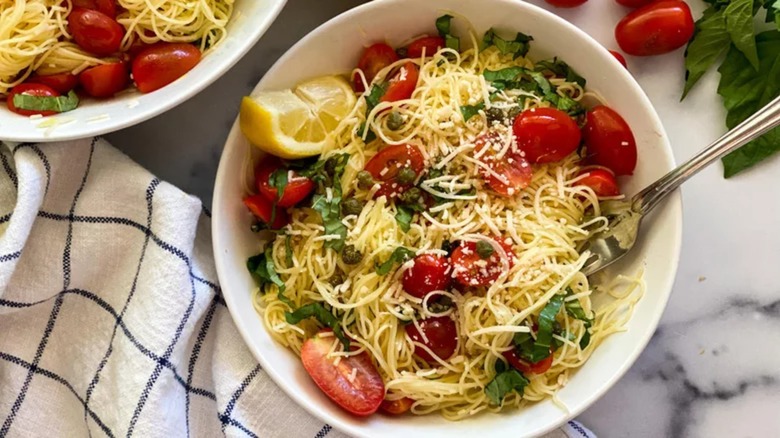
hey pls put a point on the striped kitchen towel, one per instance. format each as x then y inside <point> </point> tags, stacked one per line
<point>111,317</point>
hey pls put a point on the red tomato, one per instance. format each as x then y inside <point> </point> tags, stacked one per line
<point>528,367</point>
<point>610,141</point>
<point>374,58</point>
<point>621,59</point>
<point>601,181</point>
<point>62,82</point>
<point>546,135</point>
<point>466,265</point>
<point>385,165</point>
<point>95,31</point>
<point>402,84</point>
<point>656,28</point>
<point>107,7</point>
<point>104,80</point>
<point>634,3</point>
<point>361,396</point>
<point>429,44</point>
<point>30,90</point>
<point>396,407</point>
<point>514,170</point>
<point>565,3</point>
<point>429,273</point>
<point>297,189</point>
<point>442,337</point>
<point>262,209</point>
<point>160,64</point>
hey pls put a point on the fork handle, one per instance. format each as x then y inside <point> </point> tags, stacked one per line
<point>751,128</point>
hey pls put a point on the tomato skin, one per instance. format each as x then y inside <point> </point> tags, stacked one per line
<point>394,158</point>
<point>32,90</point>
<point>375,58</point>
<point>402,84</point>
<point>546,135</point>
<point>515,170</point>
<point>160,64</point>
<point>656,28</point>
<point>95,32</point>
<point>565,3</point>
<point>621,59</point>
<point>396,407</point>
<point>361,397</point>
<point>464,265</point>
<point>429,273</point>
<point>262,208</point>
<point>297,189</point>
<point>528,367</point>
<point>104,80</point>
<point>610,141</point>
<point>62,83</point>
<point>442,334</point>
<point>634,3</point>
<point>107,7</point>
<point>601,181</point>
<point>429,44</point>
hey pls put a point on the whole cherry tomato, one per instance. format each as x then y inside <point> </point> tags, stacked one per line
<point>62,82</point>
<point>107,7</point>
<point>428,273</point>
<point>429,44</point>
<point>374,58</point>
<point>402,84</point>
<point>528,367</point>
<point>95,32</point>
<point>468,269</point>
<point>104,80</point>
<point>263,209</point>
<point>441,337</point>
<point>609,140</point>
<point>621,59</point>
<point>296,190</point>
<point>565,3</point>
<point>160,64</point>
<point>30,90</point>
<point>546,135</point>
<point>601,181</point>
<point>508,174</point>
<point>385,166</point>
<point>656,28</point>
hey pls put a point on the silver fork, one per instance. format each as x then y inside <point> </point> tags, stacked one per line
<point>625,217</point>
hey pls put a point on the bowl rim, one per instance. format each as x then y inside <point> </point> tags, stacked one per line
<point>674,204</point>
<point>150,111</point>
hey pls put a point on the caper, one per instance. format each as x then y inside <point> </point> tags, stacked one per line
<point>351,206</point>
<point>411,196</point>
<point>513,112</point>
<point>258,226</point>
<point>394,121</point>
<point>330,165</point>
<point>484,249</point>
<point>406,176</point>
<point>364,180</point>
<point>336,279</point>
<point>495,114</point>
<point>350,255</point>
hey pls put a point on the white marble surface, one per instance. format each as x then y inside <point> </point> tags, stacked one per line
<point>713,367</point>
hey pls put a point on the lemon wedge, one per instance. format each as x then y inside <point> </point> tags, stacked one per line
<point>297,123</point>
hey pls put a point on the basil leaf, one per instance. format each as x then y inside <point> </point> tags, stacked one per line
<point>744,91</point>
<point>562,70</point>
<point>508,74</point>
<point>288,252</point>
<point>263,270</point>
<point>739,24</point>
<point>444,26</point>
<point>327,174</point>
<point>374,97</point>
<point>484,249</point>
<point>399,255</point>
<point>361,131</point>
<point>709,43</point>
<point>59,104</point>
<point>541,348</point>
<point>330,211</point>
<point>518,47</point>
<point>278,180</point>
<point>575,310</point>
<point>470,111</point>
<point>404,216</point>
<point>505,382</point>
<point>585,340</point>
<point>318,311</point>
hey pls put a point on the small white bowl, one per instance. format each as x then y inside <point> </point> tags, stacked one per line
<point>251,18</point>
<point>334,48</point>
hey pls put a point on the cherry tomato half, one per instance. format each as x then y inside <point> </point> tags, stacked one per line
<point>62,82</point>
<point>610,141</point>
<point>385,165</point>
<point>601,181</point>
<point>396,407</point>
<point>546,135</point>
<point>104,80</point>
<point>528,367</point>
<point>374,58</point>
<point>565,3</point>
<point>468,267</point>
<point>429,44</point>
<point>656,28</point>
<point>634,3</point>
<point>513,170</point>
<point>621,59</point>
<point>107,7</point>
<point>297,189</point>
<point>160,64</point>
<point>30,90</point>
<point>402,84</point>
<point>359,396</point>
<point>262,208</point>
<point>442,337</point>
<point>429,273</point>
<point>95,32</point>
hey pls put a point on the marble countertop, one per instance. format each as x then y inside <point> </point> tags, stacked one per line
<point>713,367</point>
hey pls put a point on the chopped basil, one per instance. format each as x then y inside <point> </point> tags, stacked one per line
<point>484,249</point>
<point>263,270</point>
<point>533,81</point>
<point>327,174</point>
<point>575,310</point>
<point>505,381</point>
<point>541,348</point>
<point>399,255</point>
<point>288,251</point>
<point>374,97</point>
<point>318,311</point>
<point>58,104</point>
<point>404,216</point>
<point>517,48</point>
<point>444,25</point>
<point>277,180</point>
<point>561,69</point>
<point>470,111</point>
<point>361,132</point>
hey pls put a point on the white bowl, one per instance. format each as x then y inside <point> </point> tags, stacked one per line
<point>251,18</point>
<point>334,48</point>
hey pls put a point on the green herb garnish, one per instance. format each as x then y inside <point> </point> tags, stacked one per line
<point>517,48</point>
<point>541,348</point>
<point>58,104</point>
<point>443,25</point>
<point>318,311</point>
<point>263,270</point>
<point>470,111</point>
<point>327,174</point>
<point>484,249</point>
<point>399,255</point>
<point>505,381</point>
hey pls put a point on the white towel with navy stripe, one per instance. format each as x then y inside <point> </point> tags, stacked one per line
<point>112,323</point>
